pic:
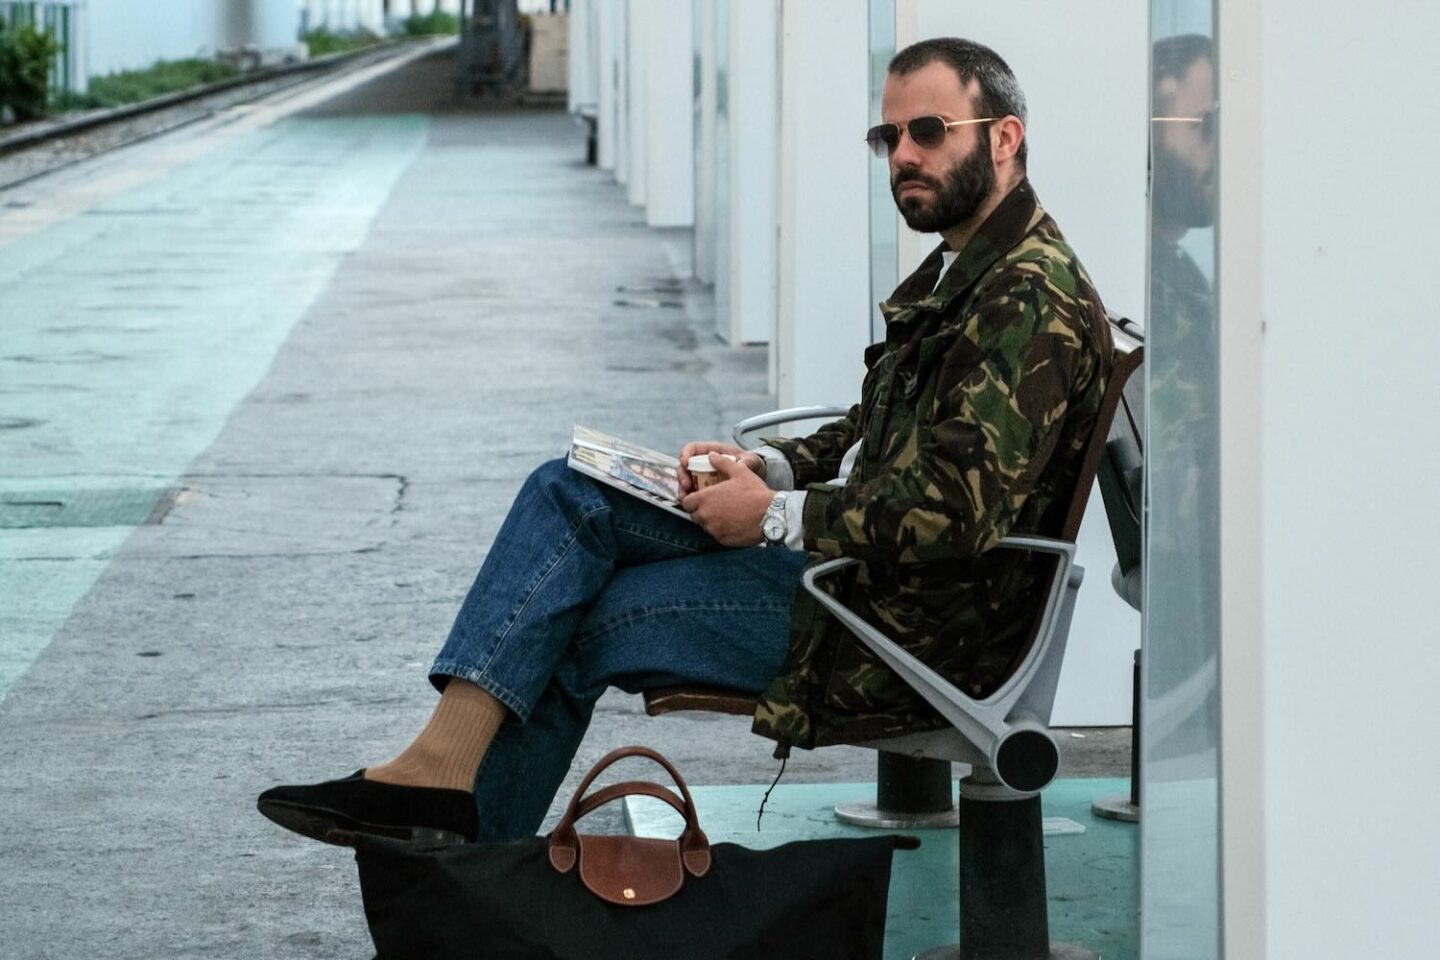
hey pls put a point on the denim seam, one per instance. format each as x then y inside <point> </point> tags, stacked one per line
<point>646,534</point>
<point>712,606</point>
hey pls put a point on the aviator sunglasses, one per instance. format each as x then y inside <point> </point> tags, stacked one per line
<point>927,132</point>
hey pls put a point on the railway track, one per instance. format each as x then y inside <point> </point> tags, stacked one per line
<point>41,148</point>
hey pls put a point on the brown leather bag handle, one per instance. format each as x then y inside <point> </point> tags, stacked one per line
<point>694,845</point>
<point>629,788</point>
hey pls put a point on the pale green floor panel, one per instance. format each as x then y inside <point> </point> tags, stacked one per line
<point>130,331</point>
<point>1091,876</point>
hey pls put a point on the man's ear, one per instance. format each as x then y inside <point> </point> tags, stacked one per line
<point>1005,138</point>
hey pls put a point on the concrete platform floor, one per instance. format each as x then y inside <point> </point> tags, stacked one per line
<point>327,337</point>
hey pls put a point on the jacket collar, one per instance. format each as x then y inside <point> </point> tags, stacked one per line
<point>1007,225</point>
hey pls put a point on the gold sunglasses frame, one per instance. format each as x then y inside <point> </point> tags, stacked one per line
<point>904,129</point>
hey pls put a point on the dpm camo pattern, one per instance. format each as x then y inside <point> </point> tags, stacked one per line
<point>975,412</point>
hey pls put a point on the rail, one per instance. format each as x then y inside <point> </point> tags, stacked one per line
<point>39,148</point>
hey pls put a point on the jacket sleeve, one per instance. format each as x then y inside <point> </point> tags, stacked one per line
<point>816,458</point>
<point>998,413</point>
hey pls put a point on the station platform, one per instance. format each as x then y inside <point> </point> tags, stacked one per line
<point>267,387</point>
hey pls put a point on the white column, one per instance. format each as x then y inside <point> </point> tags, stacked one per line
<point>705,195</point>
<point>1351,456</point>
<point>640,13</point>
<point>607,49</point>
<point>620,10</point>
<point>669,116</point>
<point>754,168</point>
<point>581,66</point>
<point>824,309</point>
<point>276,23</point>
<point>1243,894</point>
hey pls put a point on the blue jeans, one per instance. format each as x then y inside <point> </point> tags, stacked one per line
<point>587,588</point>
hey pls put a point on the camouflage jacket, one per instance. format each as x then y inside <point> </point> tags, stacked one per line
<point>975,412</point>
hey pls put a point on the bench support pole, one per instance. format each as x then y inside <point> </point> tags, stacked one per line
<point>1126,807</point>
<point>1003,910</point>
<point>910,793</point>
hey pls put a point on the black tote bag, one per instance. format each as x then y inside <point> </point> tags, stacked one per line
<point>576,897</point>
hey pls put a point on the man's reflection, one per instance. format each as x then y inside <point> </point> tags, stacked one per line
<point>1183,455</point>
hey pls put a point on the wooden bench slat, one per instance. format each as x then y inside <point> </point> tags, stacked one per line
<point>663,700</point>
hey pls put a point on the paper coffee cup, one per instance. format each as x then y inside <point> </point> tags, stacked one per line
<point>704,471</point>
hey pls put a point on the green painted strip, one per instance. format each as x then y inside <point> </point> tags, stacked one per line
<point>128,334</point>
<point>81,508</point>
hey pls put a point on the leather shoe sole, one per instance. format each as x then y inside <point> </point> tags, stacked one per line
<point>336,810</point>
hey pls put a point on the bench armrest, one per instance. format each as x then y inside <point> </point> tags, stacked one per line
<point>1008,727</point>
<point>777,417</point>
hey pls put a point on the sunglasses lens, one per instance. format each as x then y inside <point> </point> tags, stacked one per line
<point>883,139</point>
<point>928,132</point>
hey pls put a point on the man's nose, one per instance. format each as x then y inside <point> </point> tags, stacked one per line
<point>906,153</point>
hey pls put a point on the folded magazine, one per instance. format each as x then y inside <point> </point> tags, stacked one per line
<point>643,473</point>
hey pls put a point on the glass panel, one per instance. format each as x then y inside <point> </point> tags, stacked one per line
<point>1180,713</point>
<point>884,222</point>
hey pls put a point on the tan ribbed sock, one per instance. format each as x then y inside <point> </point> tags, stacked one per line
<point>449,750</point>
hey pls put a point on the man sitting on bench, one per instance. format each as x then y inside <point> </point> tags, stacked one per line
<point>971,425</point>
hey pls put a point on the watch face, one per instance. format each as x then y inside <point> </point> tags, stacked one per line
<point>773,528</point>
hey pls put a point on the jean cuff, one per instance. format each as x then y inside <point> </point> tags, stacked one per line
<point>442,670</point>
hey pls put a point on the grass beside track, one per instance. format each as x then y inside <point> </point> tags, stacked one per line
<point>133,86</point>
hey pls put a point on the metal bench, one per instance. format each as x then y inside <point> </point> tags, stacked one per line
<point>1004,738</point>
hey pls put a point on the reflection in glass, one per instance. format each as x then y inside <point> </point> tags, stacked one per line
<point>1180,726</point>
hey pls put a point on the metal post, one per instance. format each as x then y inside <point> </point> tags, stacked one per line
<point>910,793</point>
<point>1004,910</point>
<point>1002,880</point>
<point>1120,806</point>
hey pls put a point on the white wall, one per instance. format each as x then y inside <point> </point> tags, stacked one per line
<point>824,287</point>
<point>273,24</point>
<point>669,116</point>
<point>704,135</point>
<point>582,67</point>
<point>637,61</point>
<point>754,170</point>
<point>1083,68</point>
<point>349,14</point>
<point>1351,455</point>
<point>114,38</point>
<point>609,41</point>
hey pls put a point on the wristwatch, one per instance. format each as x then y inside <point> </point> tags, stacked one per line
<point>773,527</point>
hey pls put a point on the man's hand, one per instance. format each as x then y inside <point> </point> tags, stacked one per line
<point>754,461</point>
<point>731,511</point>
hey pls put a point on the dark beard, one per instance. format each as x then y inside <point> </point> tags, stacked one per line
<point>958,197</point>
<point>1178,197</point>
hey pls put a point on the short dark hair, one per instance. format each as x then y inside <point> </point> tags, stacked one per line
<point>1173,56</point>
<point>1000,93</point>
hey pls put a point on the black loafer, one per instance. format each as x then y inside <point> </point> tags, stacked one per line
<point>336,810</point>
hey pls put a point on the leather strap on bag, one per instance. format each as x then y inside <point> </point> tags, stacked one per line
<point>630,871</point>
